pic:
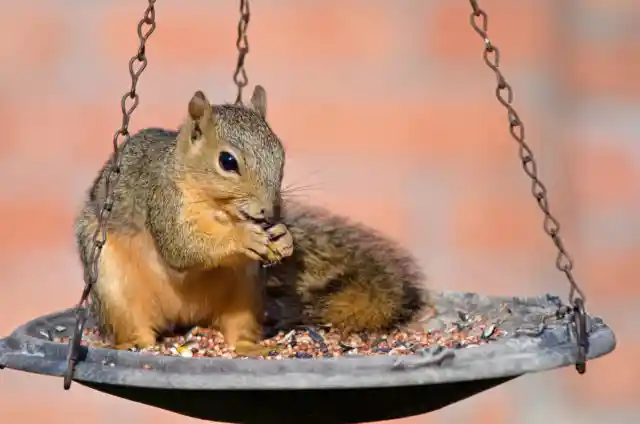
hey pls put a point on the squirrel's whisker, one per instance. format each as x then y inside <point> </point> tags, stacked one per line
<point>296,189</point>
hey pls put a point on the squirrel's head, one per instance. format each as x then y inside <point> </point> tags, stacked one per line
<point>232,156</point>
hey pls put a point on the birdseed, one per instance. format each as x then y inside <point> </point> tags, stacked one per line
<point>317,342</point>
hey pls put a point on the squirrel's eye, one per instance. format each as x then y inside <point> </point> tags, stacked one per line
<point>228,162</point>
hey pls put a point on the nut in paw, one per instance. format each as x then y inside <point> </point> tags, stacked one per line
<point>280,243</point>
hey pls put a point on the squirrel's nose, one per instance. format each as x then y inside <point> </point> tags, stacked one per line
<point>267,213</point>
<point>259,212</point>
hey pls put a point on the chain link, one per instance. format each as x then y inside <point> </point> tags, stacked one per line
<point>504,93</point>
<point>128,105</point>
<point>242,44</point>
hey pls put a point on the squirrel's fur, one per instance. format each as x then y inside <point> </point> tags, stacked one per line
<point>343,274</point>
<point>186,237</point>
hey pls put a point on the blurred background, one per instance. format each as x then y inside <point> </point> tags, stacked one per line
<point>388,115</point>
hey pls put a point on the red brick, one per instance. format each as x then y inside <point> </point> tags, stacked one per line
<point>469,133</point>
<point>610,381</point>
<point>493,407</point>
<point>103,121</point>
<point>8,117</point>
<point>496,222</point>
<point>40,405</point>
<point>278,36</point>
<point>500,273</point>
<point>73,132</point>
<point>613,6</point>
<point>89,140</point>
<point>604,173</point>
<point>155,115</point>
<point>90,144</point>
<point>521,30</point>
<point>608,70</point>
<point>324,31</point>
<point>611,275</point>
<point>150,415</point>
<point>65,122</point>
<point>184,37</point>
<point>31,222</point>
<point>418,419</point>
<point>36,38</point>
<point>387,215</point>
<point>428,132</point>
<point>439,133</point>
<point>27,272</point>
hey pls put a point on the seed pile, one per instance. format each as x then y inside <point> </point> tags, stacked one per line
<point>315,342</point>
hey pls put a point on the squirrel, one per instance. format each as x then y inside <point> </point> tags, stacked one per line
<point>198,213</point>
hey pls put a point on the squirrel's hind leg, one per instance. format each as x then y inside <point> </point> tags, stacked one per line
<point>240,319</point>
<point>124,293</point>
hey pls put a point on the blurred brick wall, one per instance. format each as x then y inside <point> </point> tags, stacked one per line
<point>388,112</point>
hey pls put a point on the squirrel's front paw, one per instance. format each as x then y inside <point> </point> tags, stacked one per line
<point>269,246</point>
<point>281,241</point>
<point>252,240</point>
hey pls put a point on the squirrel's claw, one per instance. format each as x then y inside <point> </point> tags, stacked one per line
<point>268,246</point>
<point>281,241</point>
<point>250,349</point>
<point>253,240</point>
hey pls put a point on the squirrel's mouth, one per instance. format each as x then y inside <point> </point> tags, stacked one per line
<point>260,220</point>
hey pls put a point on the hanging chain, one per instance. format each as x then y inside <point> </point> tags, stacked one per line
<point>564,263</point>
<point>128,104</point>
<point>242,44</point>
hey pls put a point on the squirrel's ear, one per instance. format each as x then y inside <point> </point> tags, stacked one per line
<point>259,101</point>
<point>199,106</point>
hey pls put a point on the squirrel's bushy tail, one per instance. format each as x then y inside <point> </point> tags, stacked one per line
<point>359,302</point>
<point>346,274</point>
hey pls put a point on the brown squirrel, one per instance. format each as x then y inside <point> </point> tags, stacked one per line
<point>195,213</point>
